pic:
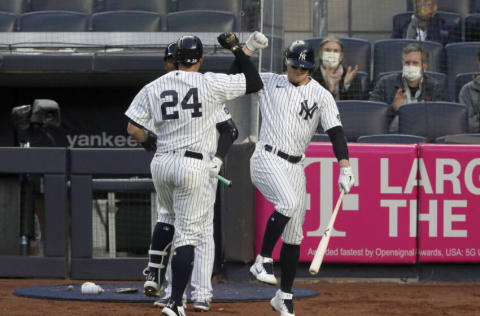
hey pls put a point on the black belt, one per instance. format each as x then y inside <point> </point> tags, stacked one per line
<point>281,154</point>
<point>192,154</point>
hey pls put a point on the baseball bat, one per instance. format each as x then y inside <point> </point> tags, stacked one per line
<point>322,247</point>
<point>227,182</point>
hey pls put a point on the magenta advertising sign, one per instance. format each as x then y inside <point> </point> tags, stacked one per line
<point>377,220</point>
<point>449,203</point>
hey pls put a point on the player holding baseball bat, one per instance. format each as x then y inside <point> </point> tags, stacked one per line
<point>292,106</point>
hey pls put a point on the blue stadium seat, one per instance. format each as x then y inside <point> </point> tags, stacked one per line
<point>461,80</point>
<point>200,21</point>
<point>433,119</point>
<point>7,21</point>
<point>387,55</point>
<point>85,6</point>
<point>234,6</point>
<point>126,21</point>
<point>392,138</point>
<point>438,76</point>
<point>472,27</point>
<point>14,6</point>
<point>317,137</point>
<point>461,58</point>
<point>159,6</point>
<point>402,20</point>
<point>363,118</point>
<point>468,138</point>
<point>356,51</point>
<point>53,21</point>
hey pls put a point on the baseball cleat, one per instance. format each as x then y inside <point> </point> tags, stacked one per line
<point>262,269</point>
<point>283,302</point>
<point>173,310</point>
<point>201,306</point>
<point>162,302</point>
<point>151,287</point>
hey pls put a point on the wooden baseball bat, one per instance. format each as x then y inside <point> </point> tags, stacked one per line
<point>322,247</point>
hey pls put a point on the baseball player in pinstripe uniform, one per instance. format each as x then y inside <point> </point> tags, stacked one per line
<point>205,251</point>
<point>292,106</point>
<point>183,104</point>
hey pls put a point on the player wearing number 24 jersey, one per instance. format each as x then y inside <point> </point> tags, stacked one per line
<point>292,105</point>
<point>183,106</point>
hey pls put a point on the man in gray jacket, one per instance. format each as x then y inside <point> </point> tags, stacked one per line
<point>470,96</point>
<point>410,86</point>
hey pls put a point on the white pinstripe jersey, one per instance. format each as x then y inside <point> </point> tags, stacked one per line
<point>290,114</point>
<point>183,106</point>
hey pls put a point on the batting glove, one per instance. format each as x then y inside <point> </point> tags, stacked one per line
<point>228,40</point>
<point>214,167</point>
<point>256,41</point>
<point>346,179</point>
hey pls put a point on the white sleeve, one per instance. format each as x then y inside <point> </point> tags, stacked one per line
<point>329,116</point>
<point>226,87</point>
<point>139,109</point>
<point>222,115</point>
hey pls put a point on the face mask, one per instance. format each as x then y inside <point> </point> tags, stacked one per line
<point>330,59</point>
<point>412,73</point>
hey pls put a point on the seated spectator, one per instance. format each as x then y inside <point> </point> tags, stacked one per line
<point>332,75</point>
<point>426,25</point>
<point>409,86</point>
<point>470,96</point>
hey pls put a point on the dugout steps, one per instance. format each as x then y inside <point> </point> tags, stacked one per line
<point>222,292</point>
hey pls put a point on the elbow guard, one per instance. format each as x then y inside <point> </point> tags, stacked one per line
<point>228,126</point>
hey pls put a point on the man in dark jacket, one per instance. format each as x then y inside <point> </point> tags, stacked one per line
<point>470,96</point>
<point>426,25</point>
<point>409,86</point>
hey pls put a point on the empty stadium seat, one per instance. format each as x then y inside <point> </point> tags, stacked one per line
<point>126,21</point>
<point>86,6</point>
<point>432,119</point>
<point>392,138</point>
<point>461,80</point>
<point>317,137</point>
<point>472,28</point>
<point>14,6</point>
<point>200,21</point>
<point>356,51</point>
<point>7,22</point>
<point>462,7</point>
<point>158,6</point>
<point>461,58</point>
<point>53,21</point>
<point>363,118</point>
<point>234,6</point>
<point>402,20</point>
<point>387,55</point>
<point>468,138</point>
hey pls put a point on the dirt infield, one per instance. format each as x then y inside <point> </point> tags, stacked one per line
<point>336,299</point>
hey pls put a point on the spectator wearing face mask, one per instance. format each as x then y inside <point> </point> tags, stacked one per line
<point>341,81</point>
<point>409,86</point>
<point>470,96</point>
<point>426,25</point>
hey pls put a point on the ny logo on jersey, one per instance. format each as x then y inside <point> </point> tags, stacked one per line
<point>308,111</point>
<point>302,56</point>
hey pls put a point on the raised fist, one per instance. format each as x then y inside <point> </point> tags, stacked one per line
<point>228,40</point>
<point>256,41</point>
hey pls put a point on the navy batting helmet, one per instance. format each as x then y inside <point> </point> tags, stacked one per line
<point>170,50</point>
<point>189,50</point>
<point>300,54</point>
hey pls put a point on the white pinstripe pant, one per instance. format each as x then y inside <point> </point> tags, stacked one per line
<point>204,251</point>
<point>284,185</point>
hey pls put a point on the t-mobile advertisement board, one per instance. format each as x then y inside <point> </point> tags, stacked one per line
<point>376,222</point>
<point>449,203</point>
